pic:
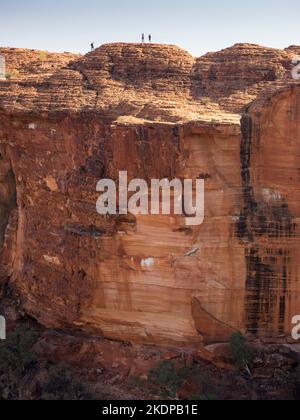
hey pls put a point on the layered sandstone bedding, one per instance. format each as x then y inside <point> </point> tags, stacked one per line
<point>157,112</point>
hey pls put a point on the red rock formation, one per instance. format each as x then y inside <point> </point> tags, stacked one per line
<point>271,216</point>
<point>156,112</point>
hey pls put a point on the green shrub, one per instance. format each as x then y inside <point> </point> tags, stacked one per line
<point>16,352</point>
<point>168,378</point>
<point>59,380</point>
<point>12,74</point>
<point>42,56</point>
<point>242,354</point>
<point>62,384</point>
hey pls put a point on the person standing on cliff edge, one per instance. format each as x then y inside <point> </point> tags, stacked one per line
<point>92,47</point>
<point>143,38</point>
<point>150,38</point>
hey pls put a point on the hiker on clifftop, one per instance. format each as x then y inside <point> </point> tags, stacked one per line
<point>150,38</point>
<point>92,46</point>
<point>143,38</point>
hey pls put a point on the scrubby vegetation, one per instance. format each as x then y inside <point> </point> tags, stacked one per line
<point>168,378</point>
<point>63,385</point>
<point>12,74</point>
<point>24,375</point>
<point>16,352</point>
<point>16,359</point>
<point>242,354</point>
<point>42,56</point>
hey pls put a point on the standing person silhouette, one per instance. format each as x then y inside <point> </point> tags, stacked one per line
<point>143,38</point>
<point>92,46</point>
<point>150,38</point>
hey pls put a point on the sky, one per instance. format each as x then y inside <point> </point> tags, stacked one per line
<point>195,25</point>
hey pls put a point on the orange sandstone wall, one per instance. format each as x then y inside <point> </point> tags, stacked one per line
<point>76,269</point>
<point>270,222</point>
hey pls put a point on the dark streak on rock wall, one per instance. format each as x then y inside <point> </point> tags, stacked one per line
<point>267,268</point>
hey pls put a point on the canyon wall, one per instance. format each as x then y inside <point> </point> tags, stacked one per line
<point>156,112</point>
<point>270,221</point>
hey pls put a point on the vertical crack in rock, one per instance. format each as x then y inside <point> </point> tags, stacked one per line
<point>7,193</point>
<point>8,218</point>
<point>243,231</point>
<point>268,266</point>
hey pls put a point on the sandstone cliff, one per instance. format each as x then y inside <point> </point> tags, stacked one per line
<point>155,111</point>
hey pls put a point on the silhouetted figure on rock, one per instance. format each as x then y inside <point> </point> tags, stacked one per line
<point>92,47</point>
<point>150,38</point>
<point>143,38</point>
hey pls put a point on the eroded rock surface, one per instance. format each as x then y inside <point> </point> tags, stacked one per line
<point>157,112</point>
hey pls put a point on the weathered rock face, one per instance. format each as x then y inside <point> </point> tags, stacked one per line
<point>236,75</point>
<point>271,191</point>
<point>150,82</point>
<point>156,112</point>
<point>22,62</point>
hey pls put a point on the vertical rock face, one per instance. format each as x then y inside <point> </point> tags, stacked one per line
<point>128,278</point>
<point>149,278</point>
<point>7,192</point>
<point>270,222</point>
